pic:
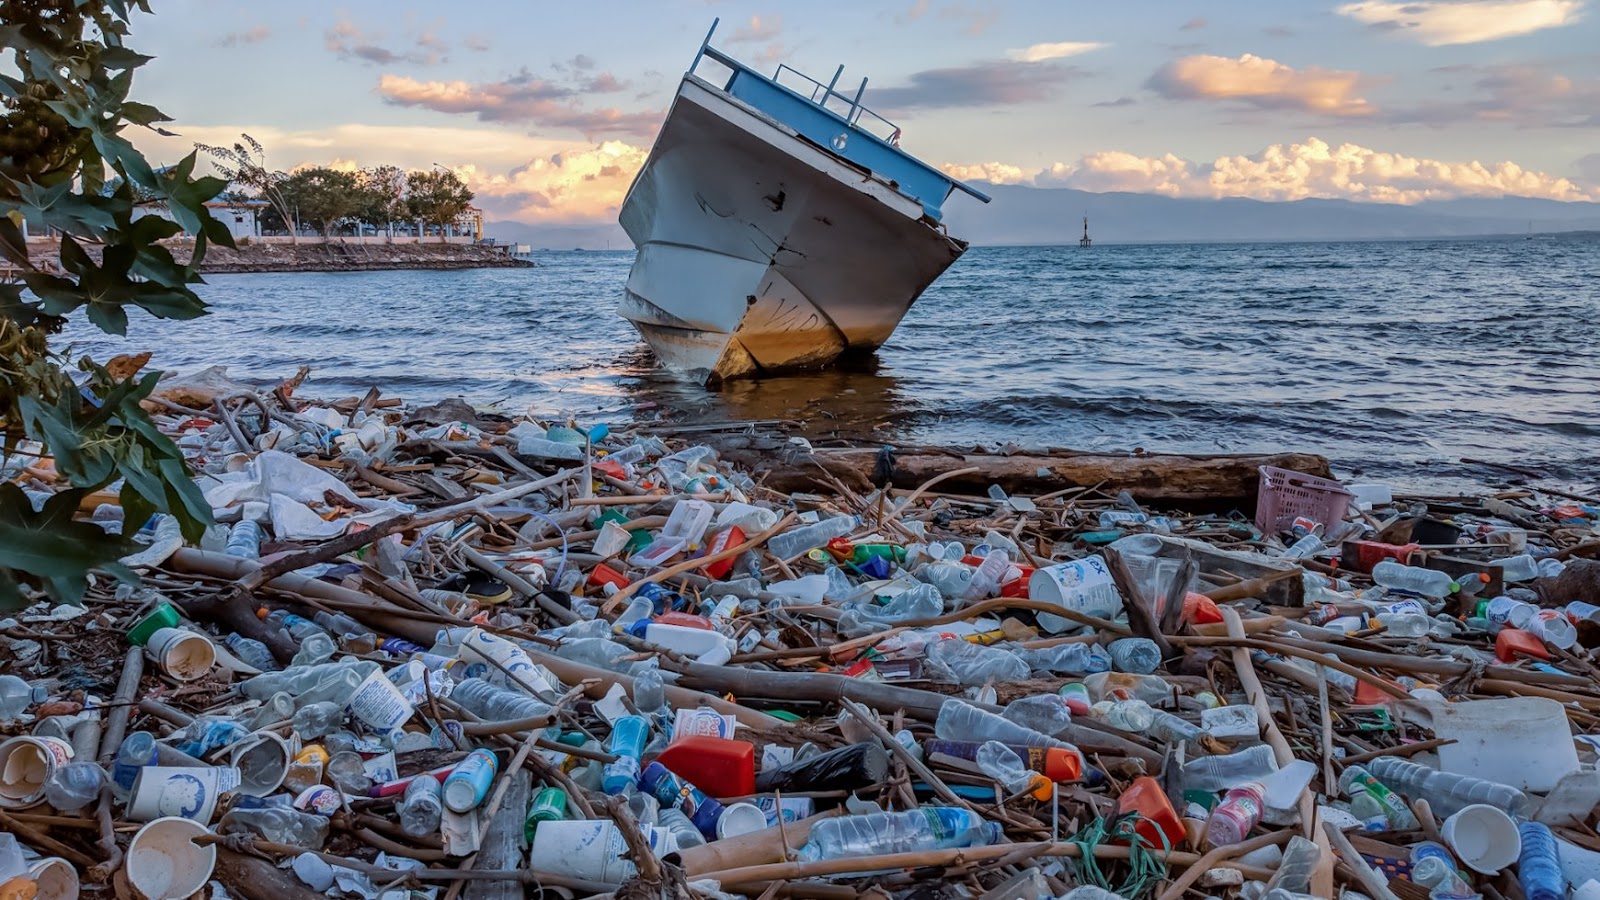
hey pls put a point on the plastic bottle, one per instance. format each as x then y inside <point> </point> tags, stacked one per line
<point>928,828</point>
<point>702,644</point>
<point>628,734</point>
<point>1521,567</point>
<point>1139,656</point>
<point>1152,689</point>
<point>348,773</point>
<point>681,828</point>
<point>279,825</point>
<point>1231,821</point>
<point>251,652</point>
<point>1069,659</point>
<point>1405,624</point>
<point>952,578</point>
<point>75,785</point>
<point>299,627</point>
<point>1368,808</point>
<point>315,648</point>
<point>244,540</point>
<point>1400,577</point>
<point>975,665</point>
<point>797,541</point>
<point>960,721</point>
<point>493,703</point>
<point>1300,859</point>
<point>422,807</point>
<point>468,784</point>
<point>1217,773</point>
<point>673,792</point>
<point>314,720</point>
<point>1001,763</point>
<point>1305,548</point>
<point>277,708</point>
<point>649,693</point>
<point>136,751</point>
<point>1054,763</point>
<point>1434,868</point>
<point>16,695</point>
<point>1168,727</point>
<point>1128,715</point>
<point>1400,816</point>
<point>986,579</point>
<point>1539,865</point>
<point>1446,792</point>
<point>1117,518</point>
<point>1044,713</point>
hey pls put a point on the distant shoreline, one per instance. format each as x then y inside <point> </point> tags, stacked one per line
<point>355,257</point>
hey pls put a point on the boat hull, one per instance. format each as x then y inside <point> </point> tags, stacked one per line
<point>759,251</point>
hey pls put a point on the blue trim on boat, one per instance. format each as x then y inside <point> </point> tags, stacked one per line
<point>839,134</point>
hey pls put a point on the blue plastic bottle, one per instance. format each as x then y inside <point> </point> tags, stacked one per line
<point>1539,866</point>
<point>675,793</point>
<point>626,743</point>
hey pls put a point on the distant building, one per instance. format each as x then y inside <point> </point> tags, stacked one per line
<point>241,217</point>
<point>470,223</point>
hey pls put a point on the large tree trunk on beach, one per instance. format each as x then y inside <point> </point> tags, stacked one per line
<point>1222,479</point>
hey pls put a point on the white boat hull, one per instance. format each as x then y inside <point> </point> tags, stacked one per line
<point>759,251</point>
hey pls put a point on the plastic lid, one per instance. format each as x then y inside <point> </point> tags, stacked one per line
<point>460,794</point>
<point>740,818</point>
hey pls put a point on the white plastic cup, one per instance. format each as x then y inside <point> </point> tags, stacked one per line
<point>379,704</point>
<point>26,763</point>
<point>1554,628</point>
<point>592,849</point>
<point>170,791</point>
<point>263,761</point>
<point>1483,837</point>
<point>56,878</point>
<point>164,863</point>
<point>1072,585</point>
<point>740,818</point>
<point>184,655</point>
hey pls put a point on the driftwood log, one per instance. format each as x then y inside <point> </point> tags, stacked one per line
<point>1175,478</point>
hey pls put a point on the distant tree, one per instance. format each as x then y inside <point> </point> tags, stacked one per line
<point>437,197</point>
<point>245,166</point>
<point>381,197</point>
<point>323,197</point>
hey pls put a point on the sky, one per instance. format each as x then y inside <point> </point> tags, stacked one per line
<point>548,109</point>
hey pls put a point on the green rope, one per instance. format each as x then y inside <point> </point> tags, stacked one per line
<point>1146,867</point>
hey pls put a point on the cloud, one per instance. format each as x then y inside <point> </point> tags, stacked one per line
<point>1520,94</point>
<point>991,83</point>
<point>1263,83</point>
<point>1439,23</point>
<point>1278,31</point>
<point>1589,168</point>
<point>348,42</point>
<point>1194,24</point>
<point>1113,104</point>
<point>522,98</point>
<point>1312,168</point>
<point>578,185</point>
<point>759,29</point>
<point>992,172</point>
<point>252,35</point>
<point>476,42</point>
<point>1042,52</point>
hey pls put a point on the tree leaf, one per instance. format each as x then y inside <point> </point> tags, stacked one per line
<point>51,550</point>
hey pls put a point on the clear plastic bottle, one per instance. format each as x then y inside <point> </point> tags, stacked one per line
<point>75,785</point>
<point>1128,715</point>
<point>244,540</point>
<point>1236,815</point>
<point>1044,713</point>
<point>986,578</point>
<point>1168,727</point>
<point>1399,814</point>
<point>1405,624</point>
<point>1001,763</point>
<point>952,578</point>
<point>251,652</point>
<point>875,834</point>
<point>797,541</point>
<point>1305,548</point>
<point>314,720</point>
<point>1539,865</point>
<point>1069,659</point>
<point>136,751</point>
<point>277,708</point>
<point>922,601</point>
<point>1447,793</point>
<point>1521,567</point>
<point>314,649</point>
<point>1152,689</point>
<point>16,695</point>
<point>961,721</point>
<point>493,703</point>
<point>1434,868</point>
<point>649,693</point>
<point>1139,656</point>
<point>422,807</point>
<point>1368,808</point>
<point>682,829</point>
<point>1217,773</point>
<point>1300,859</point>
<point>278,825</point>
<point>975,665</point>
<point>348,773</point>
<point>1400,577</point>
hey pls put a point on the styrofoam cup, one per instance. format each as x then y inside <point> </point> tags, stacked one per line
<point>184,655</point>
<point>1083,585</point>
<point>1484,837</point>
<point>56,878</point>
<point>262,761</point>
<point>26,763</point>
<point>164,863</point>
<point>740,818</point>
<point>168,791</point>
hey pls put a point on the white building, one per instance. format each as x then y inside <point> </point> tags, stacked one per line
<point>242,217</point>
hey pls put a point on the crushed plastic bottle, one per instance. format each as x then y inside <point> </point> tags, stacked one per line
<point>493,703</point>
<point>74,786</point>
<point>961,721</point>
<point>1217,773</point>
<point>1139,656</point>
<point>875,834</point>
<point>1398,576</point>
<point>16,695</point>
<point>1446,792</point>
<point>422,807</point>
<point>1539,865</point>
<point>314,720</point>
<point>1068,659</point>
<point>278,825</point>
<point>251,652</point>
<point>795,542</point>
<point>1004,765</point>
<point>1044,713</point>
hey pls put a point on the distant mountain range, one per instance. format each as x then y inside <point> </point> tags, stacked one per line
<point>1029,215</point>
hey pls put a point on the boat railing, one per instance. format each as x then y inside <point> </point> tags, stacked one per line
<point>824,96</point>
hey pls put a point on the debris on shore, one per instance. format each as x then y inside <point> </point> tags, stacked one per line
<point>440,651</point>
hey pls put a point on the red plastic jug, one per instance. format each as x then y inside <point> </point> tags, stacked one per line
<point>1158,819</point>
<point>718,766</point>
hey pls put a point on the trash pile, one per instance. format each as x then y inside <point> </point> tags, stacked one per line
<point>442,652</point>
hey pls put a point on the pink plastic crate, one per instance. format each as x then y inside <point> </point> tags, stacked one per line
<point>1286,495</point>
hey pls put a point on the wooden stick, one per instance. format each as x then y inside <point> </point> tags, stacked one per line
<point>622,596</point>
<point>1374,883</point>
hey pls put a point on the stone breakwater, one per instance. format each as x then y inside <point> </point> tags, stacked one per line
<point>337,256</point>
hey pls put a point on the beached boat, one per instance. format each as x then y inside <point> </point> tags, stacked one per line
<point>777,226</point>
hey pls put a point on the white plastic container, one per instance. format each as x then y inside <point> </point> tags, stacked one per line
<point>184,655</point>
<point>1521,741</point>
<point>591,849</point>
<point>164,863</point>
<point>1083,585</point>
<point>704,645</point>
<point>688,521</point>
<point>658,553</point>
<point>1483,837</point>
